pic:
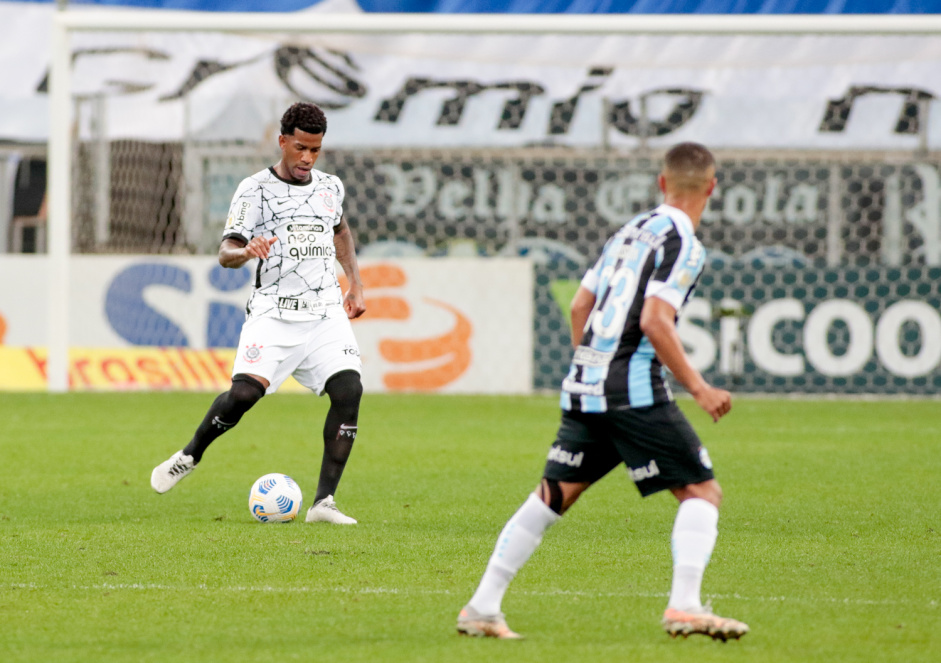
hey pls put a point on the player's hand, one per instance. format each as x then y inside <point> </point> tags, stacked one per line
<point>259,247</point>
<point>716,402</point>
<point>354,304</point>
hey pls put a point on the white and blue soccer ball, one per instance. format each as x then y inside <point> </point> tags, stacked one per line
<point>275,498</point>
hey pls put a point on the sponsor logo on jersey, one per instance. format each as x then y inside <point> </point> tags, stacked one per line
<point>574,387</point>
<point>252,353</point>
<point>563,457</point>
<point>585,356</point>
<point>304,228</point>
<point>633,233</point>
<point>304,241</point>
<point>351,350</point>
<point>309,251</point>
<point>629,253</point>
<point>243,210</point>
<point>298,304</point>
<point>648,471</point>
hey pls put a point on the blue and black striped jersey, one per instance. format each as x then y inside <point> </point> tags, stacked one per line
<point>655,254</point>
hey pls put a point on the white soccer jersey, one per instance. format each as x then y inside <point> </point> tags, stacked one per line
<point>298,281</point>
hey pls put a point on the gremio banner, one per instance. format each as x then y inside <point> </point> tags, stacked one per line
<point>788,92</point>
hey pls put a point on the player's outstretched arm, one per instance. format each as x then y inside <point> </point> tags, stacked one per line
<point>234,253</point>
<point>353,302</point>
<point>658,322</point>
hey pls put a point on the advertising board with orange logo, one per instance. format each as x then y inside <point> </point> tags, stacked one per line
<point>455,325</point>
<point>451,325</point>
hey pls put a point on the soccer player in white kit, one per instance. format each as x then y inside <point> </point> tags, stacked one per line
<point>290,218</point>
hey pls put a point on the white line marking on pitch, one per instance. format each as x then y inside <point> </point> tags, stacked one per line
<point>445,592</point>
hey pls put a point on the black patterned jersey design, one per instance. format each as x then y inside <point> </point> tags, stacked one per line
<point>298,281</point>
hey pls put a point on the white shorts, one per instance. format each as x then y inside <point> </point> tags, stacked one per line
<point>312,351</point>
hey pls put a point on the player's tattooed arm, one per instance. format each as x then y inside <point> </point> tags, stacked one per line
<point>353,302</point>
<point>235,252</point>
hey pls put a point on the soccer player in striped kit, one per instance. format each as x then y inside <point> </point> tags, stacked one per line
<point>617,407</point>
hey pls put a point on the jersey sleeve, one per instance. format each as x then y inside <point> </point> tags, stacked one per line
<point>592,276</point>
<point>679,262</point>
<point>244,212</point>
<point>341,194</point>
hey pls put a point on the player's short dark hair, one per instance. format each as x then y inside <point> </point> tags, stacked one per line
<point>689,157</point>
<point>304,116</point>
<point>689,167</point>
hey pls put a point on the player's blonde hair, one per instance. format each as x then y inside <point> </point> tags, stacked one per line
<point>689,168</point>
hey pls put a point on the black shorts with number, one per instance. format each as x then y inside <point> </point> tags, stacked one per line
<point>657,445</point>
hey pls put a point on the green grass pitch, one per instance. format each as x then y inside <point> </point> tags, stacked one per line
<point>829,539</point>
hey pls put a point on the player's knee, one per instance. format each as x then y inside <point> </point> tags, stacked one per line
<point>710,491</point>
<point>716,495</point>
<point>245,392</point>
<point>345,390</point>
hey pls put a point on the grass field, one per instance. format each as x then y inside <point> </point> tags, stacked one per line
<point>829,544</point>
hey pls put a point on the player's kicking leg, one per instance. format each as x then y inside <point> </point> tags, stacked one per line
<point>694,537</point>
<point>223,414</point>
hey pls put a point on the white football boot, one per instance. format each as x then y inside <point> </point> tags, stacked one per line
<point>166,475</point>
<point>326,511</point>
<point>472,623</point>
<point>702,621</point>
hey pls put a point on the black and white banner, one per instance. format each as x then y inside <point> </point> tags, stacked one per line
<point>806,92</point>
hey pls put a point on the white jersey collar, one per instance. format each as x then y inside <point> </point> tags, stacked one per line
<point>676,214</point>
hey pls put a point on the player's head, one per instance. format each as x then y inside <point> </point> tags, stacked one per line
<point>688,169</point>
<point>305,116</point>
<point>302,128</point>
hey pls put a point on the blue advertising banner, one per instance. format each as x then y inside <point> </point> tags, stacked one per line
<point>553,6</point>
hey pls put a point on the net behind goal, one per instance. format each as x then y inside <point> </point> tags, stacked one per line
<point>465,138</point>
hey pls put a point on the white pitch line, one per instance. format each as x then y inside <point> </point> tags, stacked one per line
<point>932,603</point>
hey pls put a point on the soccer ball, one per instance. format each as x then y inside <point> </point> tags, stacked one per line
<point>275,498</point>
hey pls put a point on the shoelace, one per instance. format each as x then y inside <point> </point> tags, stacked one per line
<point>178,468</point>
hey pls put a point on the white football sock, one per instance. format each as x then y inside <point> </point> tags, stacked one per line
<point>517,542</point>
<point>694,537</point>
